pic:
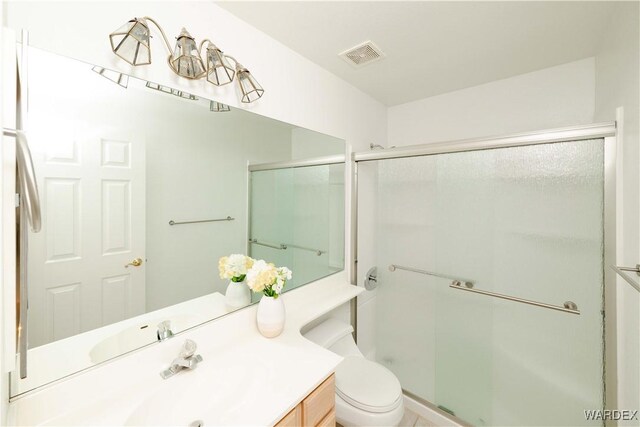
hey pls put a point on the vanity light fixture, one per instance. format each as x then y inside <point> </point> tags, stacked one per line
<point>219,71</point>
<point>114,76</point>
<point>185,60</point>
<point>218,107</point>
<point>131,43</point>
<point>251,89</point>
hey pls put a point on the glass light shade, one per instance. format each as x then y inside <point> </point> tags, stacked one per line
<point>131,42</point>
<point>219,71</point>
<point>251,89</point>
<point>219,107</point>
<point>185,60</point>
<point>114,76</point>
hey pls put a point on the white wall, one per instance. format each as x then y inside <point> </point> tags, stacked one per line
<point>306,143</point>
<point>550,98</point>
<point>617,73</point>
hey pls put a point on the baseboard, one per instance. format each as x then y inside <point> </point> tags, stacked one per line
<point>430,412</point>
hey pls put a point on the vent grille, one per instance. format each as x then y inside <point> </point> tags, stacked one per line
<point>364,53</point>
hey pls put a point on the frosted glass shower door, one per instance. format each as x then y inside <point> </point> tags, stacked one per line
<point>523,221</point>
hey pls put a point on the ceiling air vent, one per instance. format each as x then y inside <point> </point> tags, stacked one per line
<point>364,53</point>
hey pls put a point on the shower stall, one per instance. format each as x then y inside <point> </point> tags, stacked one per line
<point>490,281</point>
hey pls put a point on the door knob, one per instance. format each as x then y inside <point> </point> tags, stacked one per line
<point>136,263</point>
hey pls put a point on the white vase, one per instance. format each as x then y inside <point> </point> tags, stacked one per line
<point>270,317</point>
<point>237,295</point>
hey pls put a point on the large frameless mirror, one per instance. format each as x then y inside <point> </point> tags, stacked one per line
<point>143,188</point>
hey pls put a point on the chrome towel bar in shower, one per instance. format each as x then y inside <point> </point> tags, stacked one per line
<point>568,307</point>
<point>625,276</point>
<point>457,283</point>
<point>394,267</point>
<point>172,222</point>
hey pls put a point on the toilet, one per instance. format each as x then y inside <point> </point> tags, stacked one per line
<point>367,393</point>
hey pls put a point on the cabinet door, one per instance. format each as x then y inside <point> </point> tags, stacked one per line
<point>329,420</point>
<point>292,419</point>
<point>319,403</point>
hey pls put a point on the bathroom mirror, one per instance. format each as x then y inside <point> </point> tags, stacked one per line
<point>143,188</point>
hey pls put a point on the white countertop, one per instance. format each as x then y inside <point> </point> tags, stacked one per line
<point>244,378</point>
<point>54,360</point>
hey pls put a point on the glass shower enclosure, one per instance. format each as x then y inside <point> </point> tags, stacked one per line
<point>490,278</point>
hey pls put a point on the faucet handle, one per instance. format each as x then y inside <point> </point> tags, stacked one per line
<point>164,326</point>
<point>164,330</point>
<point>188,349</point>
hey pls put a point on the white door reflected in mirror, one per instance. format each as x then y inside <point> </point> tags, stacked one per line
<point>93,207</point>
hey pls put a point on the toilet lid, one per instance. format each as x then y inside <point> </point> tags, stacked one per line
<point>367,385</point>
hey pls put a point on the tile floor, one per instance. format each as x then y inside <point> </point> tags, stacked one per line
<point>411,419</point>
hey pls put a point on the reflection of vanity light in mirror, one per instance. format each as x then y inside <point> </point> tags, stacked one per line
<point>114,76</point>
<point>219,107</point>
<point>171,91</point>
<point>131,43</point>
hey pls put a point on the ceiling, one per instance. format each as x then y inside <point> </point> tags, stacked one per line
<point>432,47</point>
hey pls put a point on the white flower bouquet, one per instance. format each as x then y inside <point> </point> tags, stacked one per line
<point>234,267</point>
<point>267,278</point>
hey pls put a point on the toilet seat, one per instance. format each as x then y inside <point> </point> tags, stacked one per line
<point>367,385</point>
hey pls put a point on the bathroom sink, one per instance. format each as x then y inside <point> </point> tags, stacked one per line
<point>139,335</point>
<point>208,395</point>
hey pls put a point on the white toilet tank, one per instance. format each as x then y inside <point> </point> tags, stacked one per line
<point>335,335</point>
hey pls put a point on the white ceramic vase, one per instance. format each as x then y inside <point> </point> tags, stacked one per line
<point>237,295</point>
<point>270,317</point>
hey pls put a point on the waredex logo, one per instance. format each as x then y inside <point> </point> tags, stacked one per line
<point>611,415</point>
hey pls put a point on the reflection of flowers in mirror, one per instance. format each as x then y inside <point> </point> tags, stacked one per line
<point>267,278</point>
<point>234,267</point>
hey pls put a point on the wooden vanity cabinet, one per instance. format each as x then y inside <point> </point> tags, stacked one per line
<point>318,409</point>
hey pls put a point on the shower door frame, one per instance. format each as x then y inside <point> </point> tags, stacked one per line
<point>612,184</point>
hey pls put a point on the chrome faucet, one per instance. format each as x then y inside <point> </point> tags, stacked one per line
<point>164,330</point>
<point>187,359</point>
